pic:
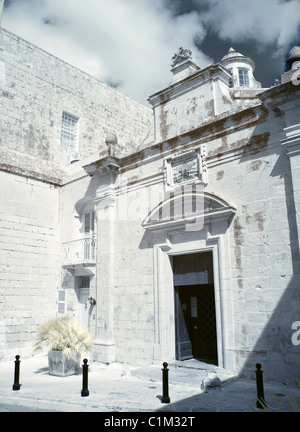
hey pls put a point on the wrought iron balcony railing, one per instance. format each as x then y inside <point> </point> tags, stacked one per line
<point>79,251</point>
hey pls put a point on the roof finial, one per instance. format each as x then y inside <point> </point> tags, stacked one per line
<point>111,141</point>
<point>182,54</point>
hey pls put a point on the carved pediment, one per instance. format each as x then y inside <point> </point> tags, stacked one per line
<point>188,207</point>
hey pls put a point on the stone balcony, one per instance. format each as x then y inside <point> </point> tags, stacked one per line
<point>79,253</point>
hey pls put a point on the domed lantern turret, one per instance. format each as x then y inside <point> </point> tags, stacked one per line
<point>293,60</point>
<point>241,68</point>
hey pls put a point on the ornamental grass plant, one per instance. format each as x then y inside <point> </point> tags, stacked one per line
<point>64,334</point>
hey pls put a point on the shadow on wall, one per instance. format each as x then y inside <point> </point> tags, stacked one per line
<point>280,361</point>
<point>275,348</point>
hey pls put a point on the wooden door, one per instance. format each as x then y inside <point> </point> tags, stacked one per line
<point>196,323</point>
<point>203,323</point>
<point>184,349</point>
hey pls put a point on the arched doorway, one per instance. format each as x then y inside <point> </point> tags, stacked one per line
<point>192,237</point>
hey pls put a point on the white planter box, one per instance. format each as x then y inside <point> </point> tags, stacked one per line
<point>59,365</point>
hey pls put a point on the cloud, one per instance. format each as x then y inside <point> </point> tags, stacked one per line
<point>129,43</point>
<point>263,22</point>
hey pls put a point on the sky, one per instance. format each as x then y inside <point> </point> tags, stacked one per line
<point>129,44</point>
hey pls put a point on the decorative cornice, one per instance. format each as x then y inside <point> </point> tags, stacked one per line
<point>194,80</point>
<point>104,166</point>
<point>32,167</point>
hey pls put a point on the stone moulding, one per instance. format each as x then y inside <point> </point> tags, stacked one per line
<point>214,208</point>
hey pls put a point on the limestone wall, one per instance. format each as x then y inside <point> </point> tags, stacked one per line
<point>37,87</point>
<point>29,260</point>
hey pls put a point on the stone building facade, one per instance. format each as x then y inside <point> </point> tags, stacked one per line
<point>170,230</point>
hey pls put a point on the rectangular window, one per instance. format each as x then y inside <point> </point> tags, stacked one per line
<point>244,77</point>
<point>61,304</point>
<point>89,222</point>
<point>231,78</point>
<point>69,132</point>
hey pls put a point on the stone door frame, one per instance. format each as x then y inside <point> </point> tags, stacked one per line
<point>178,242</point>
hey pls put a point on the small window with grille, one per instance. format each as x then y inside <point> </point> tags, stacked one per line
<point>69,132</point>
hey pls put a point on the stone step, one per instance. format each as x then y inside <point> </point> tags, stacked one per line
<point>199,375</point>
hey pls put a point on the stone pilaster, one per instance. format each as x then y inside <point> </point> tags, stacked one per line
<point>292,146</point>
<point>106,171</point>
<point>291,143</point>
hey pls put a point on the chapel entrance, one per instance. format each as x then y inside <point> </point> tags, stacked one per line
<point>195,316</point>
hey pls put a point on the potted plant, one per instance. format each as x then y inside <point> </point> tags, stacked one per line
<point>67,340</point>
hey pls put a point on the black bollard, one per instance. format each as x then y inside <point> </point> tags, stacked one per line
<point>85,391</point>
<point>17,385</point>
<point>165,397</point>
<point>260,402</point>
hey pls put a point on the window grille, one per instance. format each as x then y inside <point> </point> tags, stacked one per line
<point>244,77</point>
<point>69,132</point>
<point>84,282</point>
